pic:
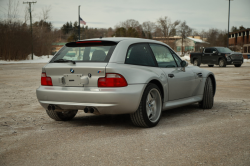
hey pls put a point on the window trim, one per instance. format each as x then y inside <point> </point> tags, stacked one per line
<point>106,60</point>
<point>173,53</point>
<point>170,50</point>
<point>151,54</point>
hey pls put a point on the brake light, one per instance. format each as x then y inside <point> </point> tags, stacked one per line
<point>112,80</point>
<point>46,81</point>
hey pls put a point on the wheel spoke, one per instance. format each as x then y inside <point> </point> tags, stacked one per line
<point>153,102</point>
<point>149,111</point>
<point>149,98</point>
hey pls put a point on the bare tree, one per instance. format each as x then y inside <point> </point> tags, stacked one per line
<point>167,27</point>
<point>45,13</point>
<point>26,14</point>
<point>11,10</point>
<point>130,23</point>
<point>184,30</point>
<point>148,27</point>
<point>129,28</point>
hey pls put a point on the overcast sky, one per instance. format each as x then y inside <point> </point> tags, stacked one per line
<point>199,14</point>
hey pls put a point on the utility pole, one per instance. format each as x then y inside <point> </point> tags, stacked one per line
<point>79,21</point>
<point>228,24</point>
<point>30,25</point>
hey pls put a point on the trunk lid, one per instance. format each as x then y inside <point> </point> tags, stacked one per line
<point>80,64</point>
<point>83,74</point>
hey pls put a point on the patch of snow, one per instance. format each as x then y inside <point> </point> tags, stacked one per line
<point>36,59</point>
<point>246,60</point>
<point>197,40</point>
<point>187,58</point>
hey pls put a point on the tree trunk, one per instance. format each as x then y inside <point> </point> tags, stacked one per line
<point>182,45</point>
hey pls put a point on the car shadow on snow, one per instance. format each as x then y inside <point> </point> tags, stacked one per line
<point>228,66</point>
<point>123,121</point>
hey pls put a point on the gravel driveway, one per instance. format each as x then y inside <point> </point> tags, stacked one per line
<point>184,136</point>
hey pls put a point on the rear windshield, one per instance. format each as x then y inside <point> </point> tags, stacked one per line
<point>85,52</point>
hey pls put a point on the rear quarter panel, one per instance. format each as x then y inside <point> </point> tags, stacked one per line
<point>205,75</point>
<point>135,74</point>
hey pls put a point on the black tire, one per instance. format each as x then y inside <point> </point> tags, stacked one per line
<point>140,117</point>
<point>237,65</point>
<point>62,116</point>
<point>197,62</point>
<point>222,63</point>
<point>208,95</point>
<point>210,65</point>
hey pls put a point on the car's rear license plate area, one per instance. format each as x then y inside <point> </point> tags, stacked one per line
<point>72,79</point>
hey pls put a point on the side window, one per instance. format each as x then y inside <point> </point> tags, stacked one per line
<point>163,56</point>
<point>212,49</point>
<point>140,54</point>
<point>177,59</point>
<point>207,50</point>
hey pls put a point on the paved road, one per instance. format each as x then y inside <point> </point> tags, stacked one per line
<point>184,136</point>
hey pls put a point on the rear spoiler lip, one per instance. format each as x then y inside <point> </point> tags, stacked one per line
<point>91,43</point>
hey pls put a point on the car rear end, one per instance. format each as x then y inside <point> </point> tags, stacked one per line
<point>76,79</point>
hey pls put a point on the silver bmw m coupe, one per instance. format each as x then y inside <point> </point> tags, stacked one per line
<point>133,76</point>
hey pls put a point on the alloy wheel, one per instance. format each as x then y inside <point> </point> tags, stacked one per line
<point>153,105</point>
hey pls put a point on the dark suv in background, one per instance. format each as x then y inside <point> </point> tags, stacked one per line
<point>221,56</point>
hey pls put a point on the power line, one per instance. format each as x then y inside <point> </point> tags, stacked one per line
<point>30,25</point>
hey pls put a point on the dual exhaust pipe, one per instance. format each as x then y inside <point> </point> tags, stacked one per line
<point>89,110</point>
<point>52,107</point>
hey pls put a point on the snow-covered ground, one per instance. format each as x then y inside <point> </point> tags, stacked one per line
<point>246,60</point>
<point>186,57</point>
<point>36,59</point>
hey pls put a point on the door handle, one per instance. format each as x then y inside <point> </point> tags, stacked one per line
<point>171,75</point>
<point>199,74</point>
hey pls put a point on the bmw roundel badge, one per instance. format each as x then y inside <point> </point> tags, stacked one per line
<point>72,71</point>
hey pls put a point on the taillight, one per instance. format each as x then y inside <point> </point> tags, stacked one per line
<point>46,81</point>
<point>112,80</point>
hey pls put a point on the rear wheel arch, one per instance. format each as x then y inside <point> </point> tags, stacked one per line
<point>213,82</point>
<point>158,83</point>
<point>194,59</point>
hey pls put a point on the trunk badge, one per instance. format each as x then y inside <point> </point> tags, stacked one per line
<point>72,70</point>
<point>99,71</point>
<point>89,75</point>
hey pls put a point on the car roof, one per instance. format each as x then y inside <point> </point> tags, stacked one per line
<point>216,47</point>
<point>118,39</point>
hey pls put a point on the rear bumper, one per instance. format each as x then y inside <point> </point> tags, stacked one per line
<point>106,100</point>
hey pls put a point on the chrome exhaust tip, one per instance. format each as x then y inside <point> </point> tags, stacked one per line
<point>86,110</point>
<point>91,110</point>
<point>51,107</point>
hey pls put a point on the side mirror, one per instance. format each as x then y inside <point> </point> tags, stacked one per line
<point>214,52</point>
<point>184,63</point>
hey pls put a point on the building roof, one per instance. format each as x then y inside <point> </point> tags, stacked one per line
<point>197,40</point>
<point>248,29</point>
